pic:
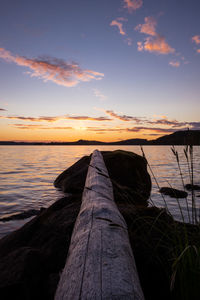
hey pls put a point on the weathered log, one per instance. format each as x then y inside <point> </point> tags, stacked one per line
<point>100,263</point>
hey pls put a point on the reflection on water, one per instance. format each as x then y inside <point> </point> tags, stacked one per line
<point>27,174</point>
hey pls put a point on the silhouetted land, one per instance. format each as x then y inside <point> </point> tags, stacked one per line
<point>177,138</point>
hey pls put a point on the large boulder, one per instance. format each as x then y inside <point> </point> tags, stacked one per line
<point>127,170</point>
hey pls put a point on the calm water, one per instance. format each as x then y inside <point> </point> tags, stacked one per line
<point>27,174</point>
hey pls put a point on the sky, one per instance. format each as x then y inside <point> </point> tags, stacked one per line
<point>104,70</point>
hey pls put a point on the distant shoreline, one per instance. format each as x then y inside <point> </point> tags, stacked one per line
<point>178,138</point>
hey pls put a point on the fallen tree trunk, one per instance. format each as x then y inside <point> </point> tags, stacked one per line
<point>100,263</point>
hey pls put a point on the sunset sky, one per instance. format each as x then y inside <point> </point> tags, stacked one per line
<point>102,70</point>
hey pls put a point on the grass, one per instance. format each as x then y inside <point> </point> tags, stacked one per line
<point>183,242</point>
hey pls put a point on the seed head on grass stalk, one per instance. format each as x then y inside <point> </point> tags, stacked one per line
<point>175,152</point>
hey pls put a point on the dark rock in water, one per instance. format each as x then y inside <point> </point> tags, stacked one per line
<point>174,193</point>
<point>191,187</point>
<point>127,170</point>
<point>24,215</point>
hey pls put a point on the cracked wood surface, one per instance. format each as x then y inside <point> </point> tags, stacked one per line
<point>100,262</point>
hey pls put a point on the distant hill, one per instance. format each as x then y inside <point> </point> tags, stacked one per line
<point>186,137</point>
<point>177,138</point>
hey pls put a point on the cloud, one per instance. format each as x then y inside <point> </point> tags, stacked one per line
<point>52,69</point>
<point>149,27</point>
<point>129,41</point>
<point>88,118</point>
<point>119,24</point>
<point>33,119</point>
<point>196,39</point>
<point>99,95</point>
<point>132,5</point>
<point>2,109</point>
<point>56,118</point>
<point>175,64</point>
<point>198,50</point>
<point>123,117</point>
<point>34,127</point>
<point>155,44</point>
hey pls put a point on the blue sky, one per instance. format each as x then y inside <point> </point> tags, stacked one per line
<point>104,70</point>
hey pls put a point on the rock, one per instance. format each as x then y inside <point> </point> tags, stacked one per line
<point>127,170</point>
<point>24,215</point>
<point>194,187</point>
<point>22,272</point>
<point>32,256</point>
<point>174,193</point>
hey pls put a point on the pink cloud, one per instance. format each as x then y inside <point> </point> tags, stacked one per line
<point>53,69</point>
<point>56,118</point>
<point>126,118</point>
<point>149,27</point>
<point>196,39</point>
<point>175,64</point>
<point>132,5</point>
<point>198,50</point>
<point>156,44</point>
<point>119,24</point>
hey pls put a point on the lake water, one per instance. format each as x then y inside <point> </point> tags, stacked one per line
<point>27,174</point>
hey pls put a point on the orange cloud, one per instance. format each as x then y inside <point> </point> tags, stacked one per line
<point>53,69</point>
<point>198,50</point>
<point>149,27</point>
<point>156,44</point>
<point>175,64</point>
<point>118,23</point>
<point>196,39</point>
<point>132,5</point>
<point>33,127</point>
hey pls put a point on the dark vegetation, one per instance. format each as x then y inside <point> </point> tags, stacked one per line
<point>165,251</point>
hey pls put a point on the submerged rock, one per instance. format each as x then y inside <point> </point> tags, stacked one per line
<point>194,187</point>
<point>174,193</point>
<point>23,215</point>
<point>127,170</point>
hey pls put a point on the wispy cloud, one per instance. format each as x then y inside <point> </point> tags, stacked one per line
<point>52,69</point>
<point>99,95</point>
<point>88,118</point>
<point>38,127</point>
<point>123,117</point>
<point>56,118</point>
<point>132,5</point>
<point>3,109</point>
<point>174,63</point>
<point>149,27</point>
<point>196,39</point>
<point>119,24</point>
<point>129,41</point>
